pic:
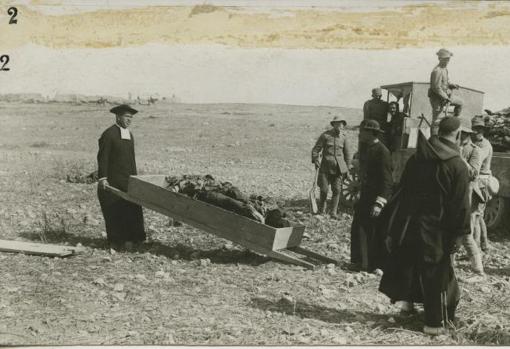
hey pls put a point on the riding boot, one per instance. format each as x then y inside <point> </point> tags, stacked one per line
<point>334,205</point>
<point>322,202</point>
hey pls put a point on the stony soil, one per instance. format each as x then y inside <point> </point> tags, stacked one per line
<point>185,286</point>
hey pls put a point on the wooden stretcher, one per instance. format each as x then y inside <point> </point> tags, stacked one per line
<point>279,243</point>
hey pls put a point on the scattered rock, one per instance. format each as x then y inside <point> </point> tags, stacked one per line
<point>380,308</point>
<point>324,332</point>
<point>162,275</point>
<point>391,320</point>
<point>118,287</point>
<point>99,282</point>
<point>205,262</point>
<point>140,277</point>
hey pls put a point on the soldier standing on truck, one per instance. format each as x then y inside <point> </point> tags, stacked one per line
<point>440,91</point>
<point>470,153</point>
<point>335,164</point>
<point>479,128</point>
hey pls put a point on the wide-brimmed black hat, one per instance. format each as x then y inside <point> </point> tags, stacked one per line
<point>122,109</point>
<point>370,125</point>
<point>337,119</point>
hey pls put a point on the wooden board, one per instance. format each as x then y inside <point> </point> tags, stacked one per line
<point>36,248</point>
<point>148,191</point>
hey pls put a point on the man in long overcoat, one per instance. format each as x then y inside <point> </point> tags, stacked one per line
<point>335,163</point>
<point>367,244</point>
<point>116,162</point>
<point>428,217</point>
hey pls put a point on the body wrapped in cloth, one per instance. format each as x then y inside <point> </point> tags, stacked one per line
<point>227,196</point>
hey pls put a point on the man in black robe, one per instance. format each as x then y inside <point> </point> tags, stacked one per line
<point>428,217</point>
<point>367,244</point>
<point>116,162</point>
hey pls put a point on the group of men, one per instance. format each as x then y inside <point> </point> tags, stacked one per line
<point>408,232</point>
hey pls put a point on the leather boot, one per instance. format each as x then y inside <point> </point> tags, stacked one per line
<point>322,202</point>
<point>334,205</point>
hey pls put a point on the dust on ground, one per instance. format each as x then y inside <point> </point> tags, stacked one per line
<point>186,286</point>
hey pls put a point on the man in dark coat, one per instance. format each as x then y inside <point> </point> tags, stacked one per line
<point>375,108</point>
<point>428,217</point>
<point>336,160</point>
<point>116,162</point>
<point>367,244</point>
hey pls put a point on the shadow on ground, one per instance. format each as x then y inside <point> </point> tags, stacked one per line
<point>498,271</point>
<point>179,251</point>
<point>304,205</point>
<point>331,315</point>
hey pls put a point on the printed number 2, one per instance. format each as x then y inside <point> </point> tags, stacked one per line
<point>13,12</point>
<point>4,59</point>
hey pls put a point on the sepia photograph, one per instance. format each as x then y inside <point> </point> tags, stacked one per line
<point>254,172</point>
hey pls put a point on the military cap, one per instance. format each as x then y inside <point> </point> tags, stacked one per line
<point>478,121</point>
<point>122,109</point>
<point>377,91</point>
<point>466,129</point>
<point>337,119</point>
<point>444,53</point>
<point>370,125</point>
<point>449,124</point>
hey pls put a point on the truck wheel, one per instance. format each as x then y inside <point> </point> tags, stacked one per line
<point>496,212</point>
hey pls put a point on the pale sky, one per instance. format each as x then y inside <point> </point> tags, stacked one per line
<point>215,74</point>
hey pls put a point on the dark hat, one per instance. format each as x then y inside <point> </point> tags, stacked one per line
<point>444,53</point>
<point>478,121</point>
<point>370,125</point>
<point>122,109</point>
<point>337,119</point>
<point>466,129</point>
<point>449,124</point>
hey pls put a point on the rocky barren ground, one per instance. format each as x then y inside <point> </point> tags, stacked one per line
<point>185,286</point>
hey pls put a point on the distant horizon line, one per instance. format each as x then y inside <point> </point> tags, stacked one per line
<point>51,101</point>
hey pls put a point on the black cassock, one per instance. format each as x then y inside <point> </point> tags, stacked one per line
<point>367,241</point>
<point>116,162</point>
<point>426,216</point>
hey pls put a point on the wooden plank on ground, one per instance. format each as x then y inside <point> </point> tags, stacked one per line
<point>36,248</point>
<point>314,255</point>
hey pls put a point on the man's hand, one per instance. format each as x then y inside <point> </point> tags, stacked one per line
<point>317,164</point>
<point>103,182</point>
<point>376,211</point>
<point>388,242</point>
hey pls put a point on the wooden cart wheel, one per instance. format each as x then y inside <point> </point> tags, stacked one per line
<point>350,190</point>
<point>496,212</point>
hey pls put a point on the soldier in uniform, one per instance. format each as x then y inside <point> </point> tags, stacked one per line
<point>440,91</point>
<point>367,244</point>
<point>485,148</point>
<point>336,161</point>
<point>116,162</point>
<point>470,153</point>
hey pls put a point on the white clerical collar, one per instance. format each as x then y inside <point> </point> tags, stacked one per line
<point>124,132</point>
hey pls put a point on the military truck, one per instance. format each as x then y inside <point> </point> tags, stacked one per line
<point>413,101</point>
